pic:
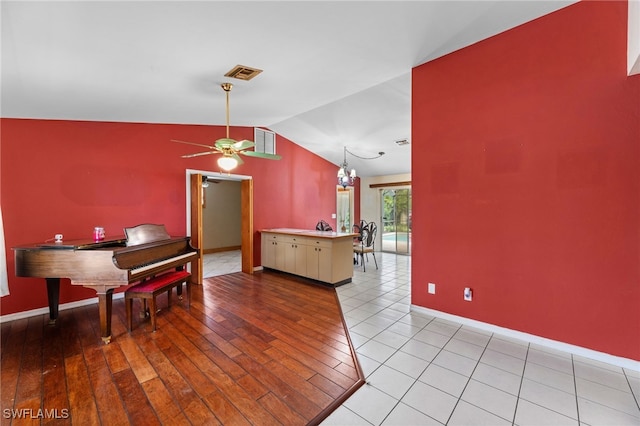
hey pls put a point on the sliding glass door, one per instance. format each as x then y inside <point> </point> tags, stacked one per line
<point>396,220</point>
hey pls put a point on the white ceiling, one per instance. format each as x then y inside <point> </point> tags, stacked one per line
<point>335,73</point>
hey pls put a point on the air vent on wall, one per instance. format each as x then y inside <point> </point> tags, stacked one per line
<point>265,141</point>
<point>242,72</point>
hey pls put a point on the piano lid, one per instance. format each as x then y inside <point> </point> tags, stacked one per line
<point>85,244</point>
<point>136,235</point>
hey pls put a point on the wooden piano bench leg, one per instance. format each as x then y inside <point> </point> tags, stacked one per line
<point>152,301</point>
<point>129,305</point>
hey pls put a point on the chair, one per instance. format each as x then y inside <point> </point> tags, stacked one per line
<point>357,229</point>
<point>367,244</point>
<point>323,226</point>
<point>357,240</point>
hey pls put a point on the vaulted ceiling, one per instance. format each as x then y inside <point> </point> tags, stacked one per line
<point>335,73</point>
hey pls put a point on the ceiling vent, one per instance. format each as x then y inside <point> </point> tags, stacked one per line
<point>242,72</point>
<point>402,142</point>
<point>265,141</point>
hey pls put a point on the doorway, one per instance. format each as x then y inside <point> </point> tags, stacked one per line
<point>396,220</point>
<point>195,225</point>
<point>221,227</point>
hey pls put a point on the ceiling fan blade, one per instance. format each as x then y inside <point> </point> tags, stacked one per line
<point>243,144</point>
<point>261,155</point>
<point>227,146</point>
<point>193,143</point>
<point>225,143</point>
<point>197,154</point>
<point>237,157</point>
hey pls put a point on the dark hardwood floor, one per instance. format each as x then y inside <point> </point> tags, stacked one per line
<point>260,349</point>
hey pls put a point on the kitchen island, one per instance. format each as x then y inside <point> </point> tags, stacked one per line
<point>323,256</point>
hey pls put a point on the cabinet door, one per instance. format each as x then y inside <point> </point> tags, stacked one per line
<point>280,254</point>
<point>289,257</point>
<point>312,262</point>
<point>269,250</point>
<point>295,256</point>
<point>325,265</point>
<point>301,260</point>
<point>319,260</point>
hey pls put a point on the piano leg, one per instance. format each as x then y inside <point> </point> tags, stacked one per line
<point>104,306</point>
<point>53,294</point>
<point>179,288</point>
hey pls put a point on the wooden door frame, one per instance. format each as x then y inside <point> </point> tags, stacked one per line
<point>194,217</point>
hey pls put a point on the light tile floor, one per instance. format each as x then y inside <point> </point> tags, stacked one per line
<point>222,263</point>
<point>423,370</point>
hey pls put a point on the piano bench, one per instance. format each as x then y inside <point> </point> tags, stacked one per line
<point>149,289</point>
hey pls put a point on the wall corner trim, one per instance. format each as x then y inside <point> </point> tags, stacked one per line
<point>633,37</point>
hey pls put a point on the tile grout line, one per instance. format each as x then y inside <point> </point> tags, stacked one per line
<point>416,380</point>
<point>635,397</point>
<point>575,387</point>
<point>469,379</point>
<point>524,367</point>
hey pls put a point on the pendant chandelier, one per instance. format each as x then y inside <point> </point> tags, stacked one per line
<point>347,177</point>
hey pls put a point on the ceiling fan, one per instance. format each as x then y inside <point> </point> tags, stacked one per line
<point>229,148</point>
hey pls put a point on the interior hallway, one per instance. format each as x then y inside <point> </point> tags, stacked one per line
<point>221,263</point>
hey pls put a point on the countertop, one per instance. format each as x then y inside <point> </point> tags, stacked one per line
<point>310,233</point>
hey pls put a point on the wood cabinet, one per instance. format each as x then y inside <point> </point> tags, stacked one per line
<point>295,255</point>
<point>284,253</point>
<point>319,265</point>
<point>269,250</point>
<point>322,256</point>
<point>273,252</point>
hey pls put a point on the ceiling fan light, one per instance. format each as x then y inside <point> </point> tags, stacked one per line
<point>227,163</point>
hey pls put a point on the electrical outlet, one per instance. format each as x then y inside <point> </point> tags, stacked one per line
<point>468,294</point>
<point>431,288</point>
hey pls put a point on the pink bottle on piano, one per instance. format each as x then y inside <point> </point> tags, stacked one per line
<point>98,233</point>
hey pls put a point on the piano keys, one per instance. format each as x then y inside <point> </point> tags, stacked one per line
<point>145,251</point>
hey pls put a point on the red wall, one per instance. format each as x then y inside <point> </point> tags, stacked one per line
<point>526,180</point>
<point>67,177</point>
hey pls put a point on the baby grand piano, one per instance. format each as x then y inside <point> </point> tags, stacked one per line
<point>145,251</point>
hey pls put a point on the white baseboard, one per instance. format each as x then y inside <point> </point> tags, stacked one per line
<point>63,307</point>
<point>531,338</point>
